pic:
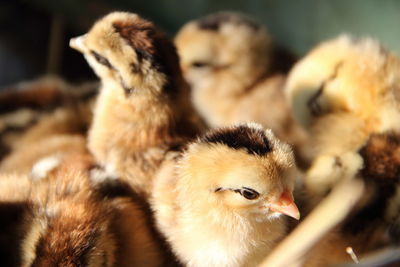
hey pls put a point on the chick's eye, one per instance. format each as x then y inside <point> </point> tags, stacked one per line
<point>102,60</point>
<point>249,193</point>
<point>199,64</point>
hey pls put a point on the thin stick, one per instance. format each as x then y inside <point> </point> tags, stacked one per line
<point>350,251</point>
<point>331,211</point>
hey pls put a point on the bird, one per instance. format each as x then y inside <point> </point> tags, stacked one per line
<point>346,74</point>
<point>143,110</point>
<point>70,218</point>
<point>343,91</point>
<point>219,203</point>
<point>228,60</point>
<point>62,108</point>
<point>345,94</point>
<point>54,147</point>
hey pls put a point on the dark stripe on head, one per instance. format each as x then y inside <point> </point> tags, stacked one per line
<point>252,140</point>
<point>150,44</point>
<point>214,21</point>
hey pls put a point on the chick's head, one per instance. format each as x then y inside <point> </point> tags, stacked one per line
<point>345,74</point>
<point>225,46</point>
<point>242,171</point>
<point>130,51</point>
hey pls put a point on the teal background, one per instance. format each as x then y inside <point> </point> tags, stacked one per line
<point>34,34</point>
<point>297,24</point>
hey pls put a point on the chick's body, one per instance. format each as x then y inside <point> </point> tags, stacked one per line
<point>135,120</point>
<point>66,219</point>
<point>346,74</point>
<point>226,58</point>
<point>345,92</point>
<point>219,203</point>
<point>26,119</point>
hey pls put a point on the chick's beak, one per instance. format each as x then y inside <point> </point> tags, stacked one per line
<point>77,43</point>
<point>285,205</point>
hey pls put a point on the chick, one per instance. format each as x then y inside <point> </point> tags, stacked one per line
<point>143,109</point>
<point>220,202</point>
<point>227,59</point>
<point>22,160</point>
<point>346,75</point>
<point>34,110</point>
<point>66,219</point>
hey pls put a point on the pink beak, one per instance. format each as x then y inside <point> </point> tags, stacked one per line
<point>285,205</point>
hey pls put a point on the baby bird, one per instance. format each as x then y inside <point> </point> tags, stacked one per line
<point>342,92</point>
<point>67,220</point>
<point>346,74</point>
<point>220,202</point>
<point>143,109</point>
<point>26,119</point>
<point>227,59</point>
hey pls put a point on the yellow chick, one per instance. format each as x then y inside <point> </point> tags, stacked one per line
<point>227,59</point>
<point>68,220</point>
<point>220,202</point>
<point>143,109</point>
<point>346,74</point>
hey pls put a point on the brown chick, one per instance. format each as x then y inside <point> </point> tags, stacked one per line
<point>220,202</point>
<point>346,74</point>
<point>67,220</point>
<point>34,110</point>
<point>143,109</point>
<point>227,59</point>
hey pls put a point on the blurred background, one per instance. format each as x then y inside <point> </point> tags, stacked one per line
<point>34,34</point>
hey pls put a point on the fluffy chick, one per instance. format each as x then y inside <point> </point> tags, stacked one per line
<point>67,220</point>
<point>143,108</point>
<point>35,110</point>
<point>227,59</point>
<point>346,74</point>
<point>220,202</point>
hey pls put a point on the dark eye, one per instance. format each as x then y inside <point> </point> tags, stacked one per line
<point>199,64</point>
<point>102,60</point>
<point>249,193</point>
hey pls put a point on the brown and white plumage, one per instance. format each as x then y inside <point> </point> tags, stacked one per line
<point>34,110</point>
<point>66,219</point>
<point>143,109</point>
<point>219,203</point>
<point>227,59</point>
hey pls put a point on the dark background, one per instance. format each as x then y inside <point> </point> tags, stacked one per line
<point>34,34</point>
